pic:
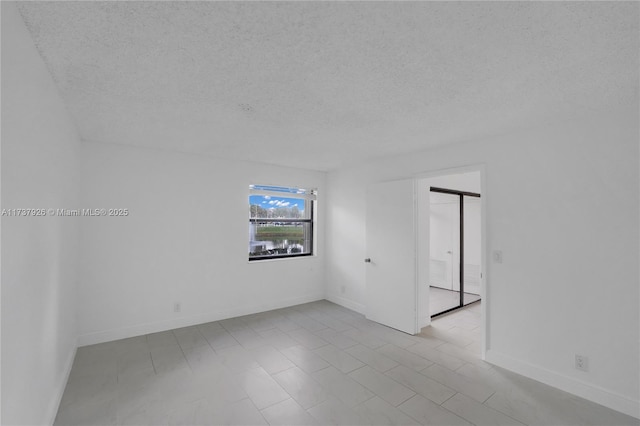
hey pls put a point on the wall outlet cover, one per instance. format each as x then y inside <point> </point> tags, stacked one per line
<point>582,363</point>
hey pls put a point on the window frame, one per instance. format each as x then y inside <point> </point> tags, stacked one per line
<point>309,196</point>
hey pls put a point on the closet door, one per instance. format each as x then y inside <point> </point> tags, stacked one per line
<point>444,248</point>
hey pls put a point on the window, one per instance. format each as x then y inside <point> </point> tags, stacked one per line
<point>280,222</point>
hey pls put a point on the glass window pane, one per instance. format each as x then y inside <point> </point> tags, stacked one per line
<point>267,238</point>
<point>444,242</point>
<point>272,207</point>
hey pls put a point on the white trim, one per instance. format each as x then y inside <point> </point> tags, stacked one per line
<point>154,327</point>
<point>416,253</point>
<point>422,252</point>
<point>302,196</point>
<point>349,304</point>
<point>56,399</point>
<point>484,268</point>
<point>584,390</point>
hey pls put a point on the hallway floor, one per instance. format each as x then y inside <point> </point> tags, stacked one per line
<point>316,363</point>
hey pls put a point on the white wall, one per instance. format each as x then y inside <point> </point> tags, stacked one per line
<point>39,254</point>
<point>185,241</point>
<point>569,281</point>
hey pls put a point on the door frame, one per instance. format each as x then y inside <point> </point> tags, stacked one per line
<point>423,249</point>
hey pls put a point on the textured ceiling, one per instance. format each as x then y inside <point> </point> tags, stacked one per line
<point>323,84</point>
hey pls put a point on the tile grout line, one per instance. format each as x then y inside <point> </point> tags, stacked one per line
<point>501,412</point>
<point>494,392</point>
<point>456,393</point>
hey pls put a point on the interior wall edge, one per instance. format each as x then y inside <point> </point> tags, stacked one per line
<point>156,327</point>
<point>40,147</point>
<point>584,390</point>
<point>56,398</point>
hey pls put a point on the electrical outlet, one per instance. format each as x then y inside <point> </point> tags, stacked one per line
<point>343,289</point>
<point>497,256</point>
<point>177,307</point>
<point>582,363</point>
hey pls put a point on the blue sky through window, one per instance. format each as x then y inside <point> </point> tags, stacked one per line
<point>272,202</point>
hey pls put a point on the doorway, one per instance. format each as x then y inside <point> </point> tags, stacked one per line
<point>397,267</point>
<point>455,249</point>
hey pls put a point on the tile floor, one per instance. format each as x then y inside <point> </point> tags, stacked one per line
<point>312,364</point>
<point>441,299</point>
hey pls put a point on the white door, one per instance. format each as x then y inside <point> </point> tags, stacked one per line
<point>391,255</point>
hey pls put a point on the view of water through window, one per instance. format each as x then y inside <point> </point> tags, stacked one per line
<point>279,226</point>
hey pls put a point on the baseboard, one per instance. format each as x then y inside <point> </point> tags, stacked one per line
<point>155,327</point>
<point>584,390</point>
<point>349,304</point>
<point>54,404</point>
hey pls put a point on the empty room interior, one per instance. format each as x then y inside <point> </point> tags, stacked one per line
<point>297,213</point>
